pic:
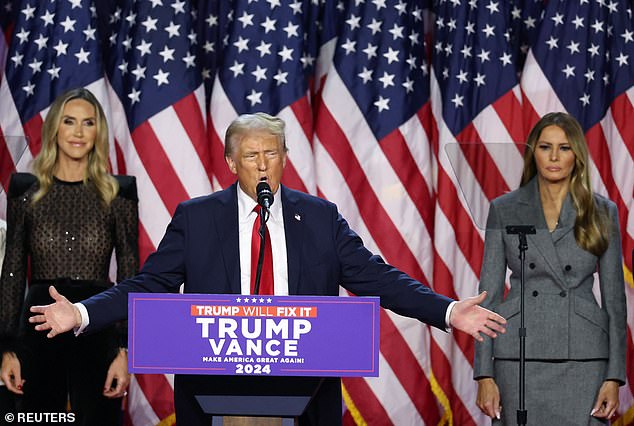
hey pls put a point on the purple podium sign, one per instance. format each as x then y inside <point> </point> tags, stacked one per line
<point>233,334</point>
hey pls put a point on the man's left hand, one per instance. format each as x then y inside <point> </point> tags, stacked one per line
<point>473,319</point>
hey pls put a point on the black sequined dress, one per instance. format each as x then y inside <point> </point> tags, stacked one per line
<point>65,239</point>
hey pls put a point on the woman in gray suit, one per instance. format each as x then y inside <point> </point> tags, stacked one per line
<point>575,346</point>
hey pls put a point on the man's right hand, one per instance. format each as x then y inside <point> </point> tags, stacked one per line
<point>57,317</point>
<point>11,373</point>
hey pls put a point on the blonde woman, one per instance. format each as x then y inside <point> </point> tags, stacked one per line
<point>63,224</point>
<point>575,347</point>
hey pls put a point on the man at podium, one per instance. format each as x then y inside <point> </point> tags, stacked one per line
<point>212,246</point>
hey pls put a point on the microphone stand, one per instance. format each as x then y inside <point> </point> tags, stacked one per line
<point>264,217</point>
<point>521,231</point>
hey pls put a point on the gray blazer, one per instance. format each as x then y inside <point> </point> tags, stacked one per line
<point>562,318</point>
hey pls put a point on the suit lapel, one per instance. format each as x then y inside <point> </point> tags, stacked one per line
<point>293,231</point>
<point>531,212</point>
<point>567,218</point>
<point>226,219</point>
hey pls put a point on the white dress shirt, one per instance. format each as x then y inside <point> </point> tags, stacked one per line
<point>275,224</point>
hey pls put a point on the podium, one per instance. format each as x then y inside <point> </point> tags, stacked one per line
<point>261,396</point>
<point>254,356</point>
<point>283,397</point>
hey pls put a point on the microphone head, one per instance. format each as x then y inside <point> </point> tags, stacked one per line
<point>264,194</point>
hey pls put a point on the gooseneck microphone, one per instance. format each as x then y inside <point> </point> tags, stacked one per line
<point>264,194</point>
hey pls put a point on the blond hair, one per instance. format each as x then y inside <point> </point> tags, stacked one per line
<point>250,122</point>
<point>96,174</point>
<point>591,225</point>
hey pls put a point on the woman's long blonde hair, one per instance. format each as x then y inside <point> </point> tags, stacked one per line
<point>96,174</point>
<point>591,225</point>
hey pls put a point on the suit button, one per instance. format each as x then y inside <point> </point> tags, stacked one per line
<point>531,265</point>
<point>567,267</point>
<point>535,293</point>
<point>562,294</point>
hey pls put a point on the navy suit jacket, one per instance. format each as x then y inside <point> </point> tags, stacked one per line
<point>201,249</point>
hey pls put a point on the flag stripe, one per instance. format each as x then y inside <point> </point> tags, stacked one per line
<point>505,151</point>
<point>120,159</point>
<point>155,387</point>
<point>366,402</point>
<point>407,369</point>
<point>221,171</point>
<point>373,167</point>
<point>143,411</point>
<point>181,156</point>
<point>299,126</point>
<point>482,164</point>
<point>33,132</point>
<point>622,111</point>
<point>443,277</point>
<point>469,242</point>
<point>6,163</point>
<point>443,372</point>
<point>158,166</point>
<point>334,141</point>
<point>291,177</point>
<point>508,108</point>
<point>397,153</point>
<point>190,114</point>
<point>600,156</point>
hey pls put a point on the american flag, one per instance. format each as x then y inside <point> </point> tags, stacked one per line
<point>409,115</point>
<point>157,98</point>
<point>373,155</point>
<point>269,55</point>
<point>475,106</point>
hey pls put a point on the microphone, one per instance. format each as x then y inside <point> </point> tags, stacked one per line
<point>265,195</point>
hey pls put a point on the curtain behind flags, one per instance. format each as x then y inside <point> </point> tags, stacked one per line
<point>410,115</point>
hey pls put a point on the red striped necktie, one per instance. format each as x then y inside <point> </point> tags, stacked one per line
<point>266,279</point>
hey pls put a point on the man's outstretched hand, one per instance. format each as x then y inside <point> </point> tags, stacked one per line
<point>57,317</point>
<point>473,319</point>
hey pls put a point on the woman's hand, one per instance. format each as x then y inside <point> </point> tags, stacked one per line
<point>488,400</point>
<point>118,371</point>
<point>607,400</point>
<point>11,372</point>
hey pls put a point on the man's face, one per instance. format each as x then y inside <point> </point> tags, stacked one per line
<point>257,156</point>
